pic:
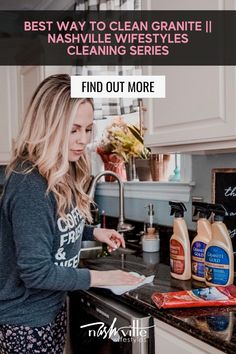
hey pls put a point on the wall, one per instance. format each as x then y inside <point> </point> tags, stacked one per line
<point>201,175</point>
<point>201,170</point>
<point>135,209</point>
<point>202,166</point>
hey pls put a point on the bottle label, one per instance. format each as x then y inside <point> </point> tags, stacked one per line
<point>177,262</point>
<point>218,323</point>
<point>216,265</point>
<point>198,250</point>
<point>209,294</point>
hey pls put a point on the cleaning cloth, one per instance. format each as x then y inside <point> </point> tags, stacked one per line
<point>121,289</point>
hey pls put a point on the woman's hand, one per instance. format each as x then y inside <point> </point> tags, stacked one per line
<point>111,237</point>
<point>113,277</point>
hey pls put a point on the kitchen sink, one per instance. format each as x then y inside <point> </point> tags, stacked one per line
<point>90,249</point>
<point>94,249</point>
<point>128,263</point>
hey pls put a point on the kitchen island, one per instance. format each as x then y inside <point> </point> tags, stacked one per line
<point>196,330</point>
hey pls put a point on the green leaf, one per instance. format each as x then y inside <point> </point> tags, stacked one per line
<point>136,133</point>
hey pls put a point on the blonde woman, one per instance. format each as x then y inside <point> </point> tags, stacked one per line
<point>43,213</point>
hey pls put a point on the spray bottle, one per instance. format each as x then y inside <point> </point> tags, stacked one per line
<point>219,258</point>
<point>180,261</point>
<point>201,240</point>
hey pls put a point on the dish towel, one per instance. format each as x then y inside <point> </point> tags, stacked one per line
<point>121,289</point>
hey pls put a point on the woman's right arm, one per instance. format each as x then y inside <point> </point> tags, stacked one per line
<point>33,228</point>
<point>113,277</point>
<point>32,218</point>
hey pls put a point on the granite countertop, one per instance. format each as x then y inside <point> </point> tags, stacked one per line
<point>213,325</point>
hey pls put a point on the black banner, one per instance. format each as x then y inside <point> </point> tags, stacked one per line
<point>118,38</point>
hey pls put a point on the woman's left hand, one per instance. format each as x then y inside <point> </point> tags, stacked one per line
<point>111,237</point>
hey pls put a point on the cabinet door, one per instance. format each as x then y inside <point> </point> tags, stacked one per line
<point>199,106</point>
<point>55,69</point>
<point>200,100</point>
<point>29,78</point>
<point>17,86</point>
<point>171,340</point>
<point>8,112</point>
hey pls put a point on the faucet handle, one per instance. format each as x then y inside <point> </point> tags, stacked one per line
<point>88,183</point>
<point>124,227</point>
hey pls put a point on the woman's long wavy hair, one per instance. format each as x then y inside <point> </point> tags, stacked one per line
<point>44,141</point>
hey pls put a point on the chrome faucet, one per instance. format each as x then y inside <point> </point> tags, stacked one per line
<point>122,226</point>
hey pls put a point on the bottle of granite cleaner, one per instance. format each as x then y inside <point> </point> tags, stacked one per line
<point>180,260</point>
<point>219,258</point>
<point>201,240</point>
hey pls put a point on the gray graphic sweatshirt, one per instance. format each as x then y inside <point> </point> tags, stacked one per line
<point>39,252</point>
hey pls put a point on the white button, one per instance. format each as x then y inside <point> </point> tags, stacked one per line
<point>118,86</point>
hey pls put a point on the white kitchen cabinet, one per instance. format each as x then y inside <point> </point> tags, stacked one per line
<point>28,78</point>
<point>54,69</point>
<point>171,340</point>
<point>17,86</point>
<point>199,111</point>
<point>199,107</point>
<point>8,112</point>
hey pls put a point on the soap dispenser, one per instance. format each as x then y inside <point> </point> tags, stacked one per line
<point>150,240</point>
<point>219,257</point>
<point>200,241</point>
<point>149,220</point>
<point>180,261</point>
